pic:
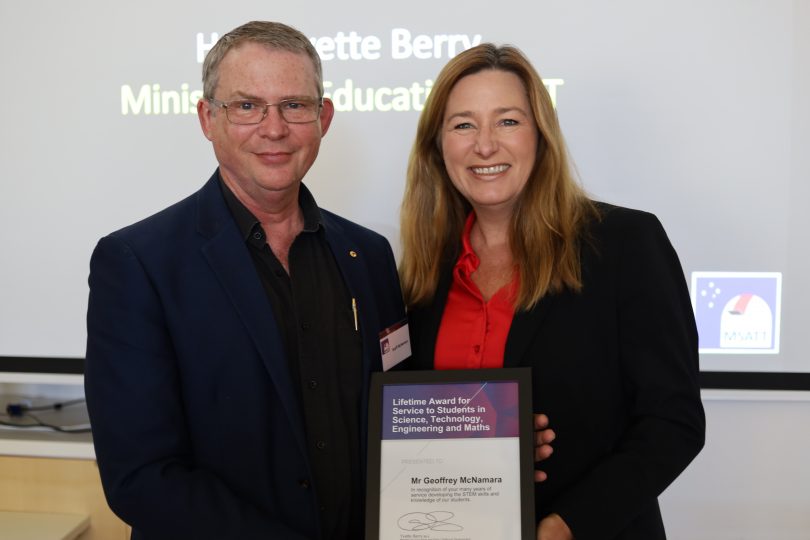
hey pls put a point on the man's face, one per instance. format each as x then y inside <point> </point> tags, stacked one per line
<point>262,161</point>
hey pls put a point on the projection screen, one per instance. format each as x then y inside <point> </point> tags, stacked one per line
<point>695,111</point>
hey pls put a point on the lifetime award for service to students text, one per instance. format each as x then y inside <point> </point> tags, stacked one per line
<point>450,455</point>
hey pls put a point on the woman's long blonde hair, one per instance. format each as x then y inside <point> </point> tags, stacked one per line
<point>549,214</point>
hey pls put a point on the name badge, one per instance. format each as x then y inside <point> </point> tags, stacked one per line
<point>395,344</point>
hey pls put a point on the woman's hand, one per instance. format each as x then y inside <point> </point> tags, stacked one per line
<point>543,436</point>
<point>552,527</point>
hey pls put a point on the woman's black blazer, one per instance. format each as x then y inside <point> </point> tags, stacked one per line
<point>615,367</point>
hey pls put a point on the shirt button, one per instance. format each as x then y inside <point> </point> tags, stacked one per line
<point>304,484</point>
<point>305,325</point>
<point>313,384</point>
<point>476,348</point>
<point>257,235</point>
<point>320,445</point>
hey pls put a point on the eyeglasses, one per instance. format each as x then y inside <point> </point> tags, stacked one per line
<point>293,111</point>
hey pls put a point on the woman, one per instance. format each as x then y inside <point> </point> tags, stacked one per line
<point>506,262</point>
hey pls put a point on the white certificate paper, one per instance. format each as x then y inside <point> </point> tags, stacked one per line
<point>450,463</point>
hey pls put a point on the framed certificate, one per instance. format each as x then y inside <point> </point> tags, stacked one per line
<point>450,455</point>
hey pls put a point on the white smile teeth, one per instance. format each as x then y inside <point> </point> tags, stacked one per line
<point>495,169</point>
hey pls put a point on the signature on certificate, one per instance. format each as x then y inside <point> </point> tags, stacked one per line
<point>433,521</point>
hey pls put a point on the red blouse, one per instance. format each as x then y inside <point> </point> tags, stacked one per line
<point>473,331</point>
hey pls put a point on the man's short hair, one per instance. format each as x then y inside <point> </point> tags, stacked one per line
<point>273,35</point>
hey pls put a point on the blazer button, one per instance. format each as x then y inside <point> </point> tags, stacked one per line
<point>320,445</point>
<point>304,483</point>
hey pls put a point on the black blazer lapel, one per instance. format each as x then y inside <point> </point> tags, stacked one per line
<point>525,325</point>
<point>353,264</point>
<point>225,252</point>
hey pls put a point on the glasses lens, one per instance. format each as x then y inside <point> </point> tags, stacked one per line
<point>299,111</point>
<point>244,112</point>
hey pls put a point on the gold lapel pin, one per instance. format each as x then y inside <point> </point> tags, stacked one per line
<point>353,254</point>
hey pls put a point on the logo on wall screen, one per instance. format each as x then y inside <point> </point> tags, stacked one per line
<point>737,312</point>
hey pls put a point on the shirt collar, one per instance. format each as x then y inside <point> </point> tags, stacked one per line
<point>467,261</point>
<point>246,222</point>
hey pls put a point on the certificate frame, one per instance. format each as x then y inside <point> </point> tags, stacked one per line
<point>441,380</point>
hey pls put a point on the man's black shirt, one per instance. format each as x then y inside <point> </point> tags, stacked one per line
<point>313,309</point>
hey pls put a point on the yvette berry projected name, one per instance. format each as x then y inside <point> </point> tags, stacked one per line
<point>349,94</point>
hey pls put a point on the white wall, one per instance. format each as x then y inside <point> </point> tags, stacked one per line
<point>752,480</point>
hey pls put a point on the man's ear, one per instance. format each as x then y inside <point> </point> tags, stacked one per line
<point>205,115</point>
<point>327,113</point>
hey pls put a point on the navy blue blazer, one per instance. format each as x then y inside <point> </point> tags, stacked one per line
<point>196,425</point>
<point>615,367</point>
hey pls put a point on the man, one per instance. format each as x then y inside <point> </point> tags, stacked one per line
<point>231,336</point>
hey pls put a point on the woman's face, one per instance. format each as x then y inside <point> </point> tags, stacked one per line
<point>489,139</point>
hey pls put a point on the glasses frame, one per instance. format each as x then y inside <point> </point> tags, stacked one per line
<point>265,107</point>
